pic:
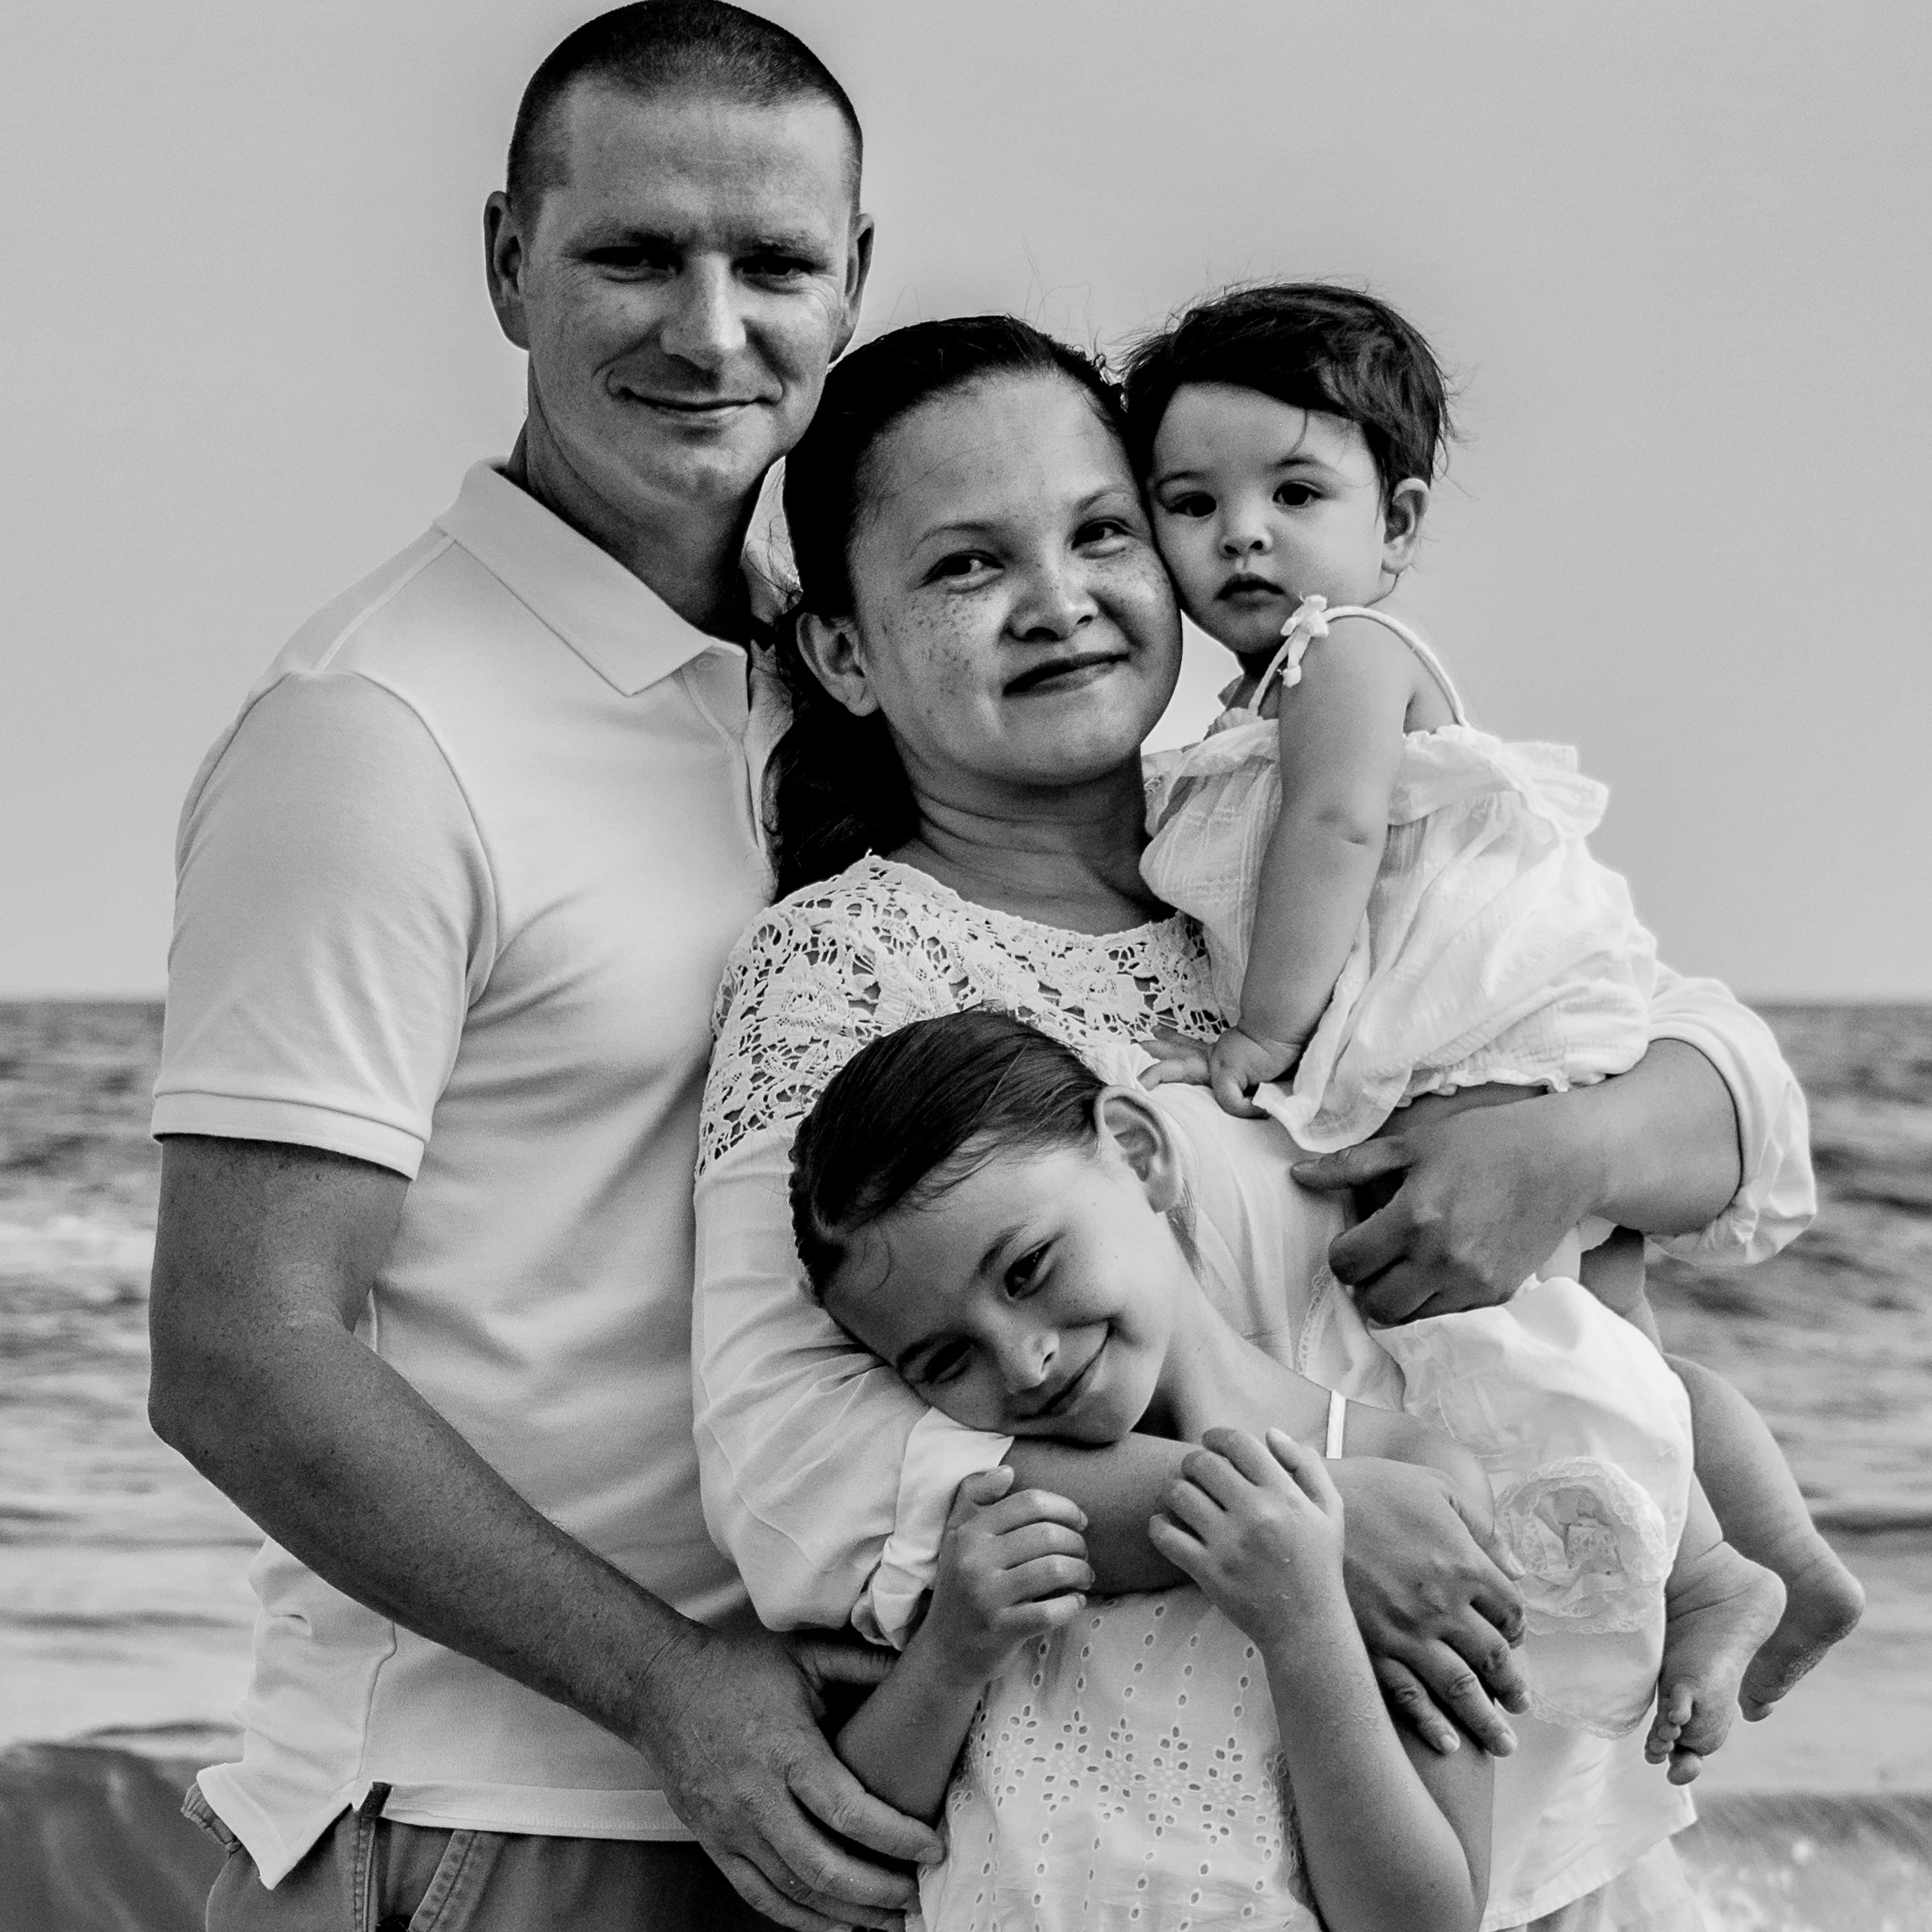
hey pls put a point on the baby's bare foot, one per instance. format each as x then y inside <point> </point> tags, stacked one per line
<point>1823,1604</point>
<point>1719,1615</point>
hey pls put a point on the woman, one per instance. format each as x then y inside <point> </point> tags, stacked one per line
<point>986,636</point>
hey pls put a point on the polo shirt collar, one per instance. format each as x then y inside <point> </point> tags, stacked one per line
<point>613,621</point>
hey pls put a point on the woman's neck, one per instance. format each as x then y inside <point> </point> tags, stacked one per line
<point>1069,858</point>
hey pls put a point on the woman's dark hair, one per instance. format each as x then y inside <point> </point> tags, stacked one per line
<point>837,788</point>
<point>1312,346</point>
<point>894,1122</point>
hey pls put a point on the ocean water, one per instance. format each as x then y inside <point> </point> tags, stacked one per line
<point>124,1611</point>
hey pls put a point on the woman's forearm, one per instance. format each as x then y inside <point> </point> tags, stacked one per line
<point>1665,1138</point>
<point>1120,1488</point>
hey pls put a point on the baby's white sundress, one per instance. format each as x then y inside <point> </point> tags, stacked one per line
<point>1494,946</point>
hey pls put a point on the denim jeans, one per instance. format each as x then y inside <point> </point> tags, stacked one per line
<point>368,1874</point>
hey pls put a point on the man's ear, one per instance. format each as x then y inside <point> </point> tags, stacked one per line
<point>858,266</point>
<point>830,647</point>
<point>1125,1120</point>
<point>504,258</point>
<point>1402,524</point>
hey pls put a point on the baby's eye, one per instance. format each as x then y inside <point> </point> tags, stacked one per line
<point>1294,495</point>
<point>1021,1275</point>
<point>1194,503</point>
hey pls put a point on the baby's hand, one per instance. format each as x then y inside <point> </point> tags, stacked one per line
<point>1259,1530</point>
<point>1011,1568</point>
<point>1241,1063</point>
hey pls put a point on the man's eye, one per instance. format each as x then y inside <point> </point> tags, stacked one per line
<point>1294,495</point>
<point>1195,503</point>
<point>778,268</point>
<point>1021,1276</point>
<point>631,259</point>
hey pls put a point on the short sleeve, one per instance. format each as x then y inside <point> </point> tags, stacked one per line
<point>333,921</point>
<point>1777,1198</point>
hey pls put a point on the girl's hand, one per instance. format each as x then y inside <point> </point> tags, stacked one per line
<point>1259,1530</point>
<point>1011,1568</point>
<point>1241,1062</point>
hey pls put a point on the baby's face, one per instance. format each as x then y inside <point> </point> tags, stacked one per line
<point>1035,1297</point>
<point>1257,505</point>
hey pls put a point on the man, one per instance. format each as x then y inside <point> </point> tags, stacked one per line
<point>454,894</point>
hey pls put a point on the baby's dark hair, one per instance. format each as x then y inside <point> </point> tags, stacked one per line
<point>914,1113</point>
<point>1312,346</point>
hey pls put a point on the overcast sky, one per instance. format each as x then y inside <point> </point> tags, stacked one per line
<point>1677,256</point>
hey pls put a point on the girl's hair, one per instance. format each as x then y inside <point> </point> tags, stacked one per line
<point>1312,346</point>
<point>837,788</point>
<point>913,1114</point>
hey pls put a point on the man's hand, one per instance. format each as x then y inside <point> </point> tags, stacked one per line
<point>733,1724</point>
<point>1436,1611</point>
<point>1484,1194</point>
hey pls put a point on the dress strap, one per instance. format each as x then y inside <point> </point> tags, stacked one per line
<point>1311,619</point>
<point>1337,1422</point>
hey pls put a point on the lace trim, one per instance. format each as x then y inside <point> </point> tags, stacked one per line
<point>883,945</point>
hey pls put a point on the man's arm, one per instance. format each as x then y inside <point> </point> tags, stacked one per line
<point>264,1261</point>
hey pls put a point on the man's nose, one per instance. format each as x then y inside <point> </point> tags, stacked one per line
<point>1055,602</point>
<point>705,327</point>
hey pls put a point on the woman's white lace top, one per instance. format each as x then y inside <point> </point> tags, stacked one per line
<point>883,944</point>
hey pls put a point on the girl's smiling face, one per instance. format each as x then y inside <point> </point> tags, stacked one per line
<point>1258,504</point>
<point>1011,617</point>
<point>1036,1295</point>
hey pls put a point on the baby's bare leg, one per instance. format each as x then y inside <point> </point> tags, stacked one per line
<point>1719,1607</point>
<point>1766,1517</point>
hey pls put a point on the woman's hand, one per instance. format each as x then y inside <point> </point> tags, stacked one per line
<point>1011,1568</point>
<point>1437,1613</point>
<point>1483,1194</point>
<point>1259,1530</point>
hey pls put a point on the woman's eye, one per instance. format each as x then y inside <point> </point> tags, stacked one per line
<point>1102,530</point>
<point>963,563</point>
<point>1022,1274</point>
<point>1294,495</point>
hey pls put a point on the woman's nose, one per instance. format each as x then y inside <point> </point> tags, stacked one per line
<point>1053,604</point>
<point>704,328</point>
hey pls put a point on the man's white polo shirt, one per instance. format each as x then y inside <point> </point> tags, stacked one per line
<point>455,891</point>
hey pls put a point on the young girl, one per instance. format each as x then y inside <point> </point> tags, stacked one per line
<point>975,1207</point>
<point>1396,904</point>
<point>979,1210</point>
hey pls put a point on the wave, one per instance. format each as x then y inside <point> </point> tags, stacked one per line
<point>1785,1862</point>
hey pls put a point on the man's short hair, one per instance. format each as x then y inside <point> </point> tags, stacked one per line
<point>688,46</point>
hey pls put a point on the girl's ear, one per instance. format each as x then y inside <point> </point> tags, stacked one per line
<point>1129,1122</point>
<point>1402,524</point>
<point>830,651</point>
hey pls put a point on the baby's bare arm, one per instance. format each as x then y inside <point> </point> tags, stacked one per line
<point>1341,743</point>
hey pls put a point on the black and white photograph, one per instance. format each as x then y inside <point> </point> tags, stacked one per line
<point>966,968</point>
